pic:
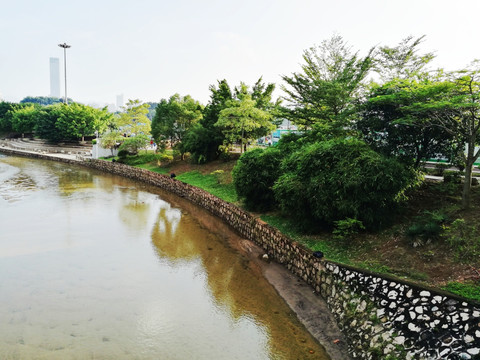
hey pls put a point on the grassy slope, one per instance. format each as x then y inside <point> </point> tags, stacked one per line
<point>437,263</point>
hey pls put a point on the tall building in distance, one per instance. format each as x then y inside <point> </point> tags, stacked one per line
<point>119,102</point>
<point>54,77</point>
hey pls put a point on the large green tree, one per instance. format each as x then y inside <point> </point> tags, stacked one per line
<point>174,118</point>
<point>328,85</point>
<point>458,113</point>
<point>242,121</point>
<point>392,123</point>
<point>24,119</point>
<point>77,120</point>
<point>402,61</point>
<point>133,120</point>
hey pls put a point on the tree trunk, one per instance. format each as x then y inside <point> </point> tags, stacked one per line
<point>467,185</point>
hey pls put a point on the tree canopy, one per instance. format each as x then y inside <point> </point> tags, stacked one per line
<point>326,89</point>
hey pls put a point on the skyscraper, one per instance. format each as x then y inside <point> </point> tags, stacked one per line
<point>54,77</point>
<point>119,101</point>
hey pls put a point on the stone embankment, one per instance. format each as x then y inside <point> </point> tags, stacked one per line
<point>382,317</point>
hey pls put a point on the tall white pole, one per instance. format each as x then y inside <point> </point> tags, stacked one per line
<point>65,47</point>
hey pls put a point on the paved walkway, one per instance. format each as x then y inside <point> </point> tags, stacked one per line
<point>40,147</point>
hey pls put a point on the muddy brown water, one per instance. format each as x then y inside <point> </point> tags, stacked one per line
<point>94,266</point>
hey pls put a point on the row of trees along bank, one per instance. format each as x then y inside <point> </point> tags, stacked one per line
<point>388,99</point>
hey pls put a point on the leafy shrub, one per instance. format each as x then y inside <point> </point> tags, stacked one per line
<point>254,175</point>
<point>426,228</point>
<point>341,178</point>
<point>122,154</point>
<point>133,144</point>
<point>345,229</point>
<point>452,177</point>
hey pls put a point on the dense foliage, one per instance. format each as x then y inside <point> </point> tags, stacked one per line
<point>254,176</point>
<point>337,179</point>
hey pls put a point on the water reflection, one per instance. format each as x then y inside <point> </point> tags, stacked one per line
<point>96,266</point>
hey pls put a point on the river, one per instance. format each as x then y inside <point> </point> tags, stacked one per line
<point>95,266</point>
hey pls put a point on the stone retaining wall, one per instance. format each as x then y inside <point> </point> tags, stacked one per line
<point>382,318</point>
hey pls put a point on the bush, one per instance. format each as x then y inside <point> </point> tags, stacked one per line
<point>133,144</point>
<point>345,229</point>
<point>122,154</point>
<point>452,177</point>
<point>254,175</point>
<point>342,178</point>
<point>426,228</point>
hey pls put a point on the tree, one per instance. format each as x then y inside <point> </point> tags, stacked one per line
<point>77,120</point>
<point>46,127</point>
<point>458,113</point>
<point>325,90</point>
<point>6,111</point>
<point>204,139</point>
<point>43,100</point>
<point>391,125</point>
<point>242,121</point>
<point>134,121</point>
<point>24,119</point>
<point>111,139</point>
<point>402,61</point>
<point>174,118</point>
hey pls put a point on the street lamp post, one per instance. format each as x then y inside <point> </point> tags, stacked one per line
<point>65,47</point>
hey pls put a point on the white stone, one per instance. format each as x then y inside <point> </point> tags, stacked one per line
<point>400,318</point>
<point>468,338</point>
<point>399,340</point>
<point>474,351</point>
<point>388,349</point>
<point>444,352</point>
<point>476,313</point>
<point>362,306</point>
<point>464,316</point>
<point>425,293</point>
<point>477,333</point>
<point>419,309</point>
<point>392,294</point>
<point>412,315</point>
<point>413,327</point>
<point>380,313</point>
<point>437,298</point>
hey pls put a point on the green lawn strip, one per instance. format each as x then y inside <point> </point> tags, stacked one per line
<point>332,249</point>
<point>154,168</point>
<point>467,290</point>
<point>210,184</point>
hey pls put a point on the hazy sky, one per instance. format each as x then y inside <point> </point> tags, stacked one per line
<point>151,49</point>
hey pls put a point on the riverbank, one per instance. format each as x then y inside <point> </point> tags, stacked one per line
<point>311,310</point>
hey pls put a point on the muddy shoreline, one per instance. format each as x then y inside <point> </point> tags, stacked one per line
<point>310,308</point>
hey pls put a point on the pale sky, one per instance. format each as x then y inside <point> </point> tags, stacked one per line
<point>151,49</point>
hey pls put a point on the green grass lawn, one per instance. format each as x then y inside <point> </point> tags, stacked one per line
<point>211,184</point>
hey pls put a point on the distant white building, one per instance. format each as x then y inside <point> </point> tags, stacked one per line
<point>54,77</point>
<point>120,101</point>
